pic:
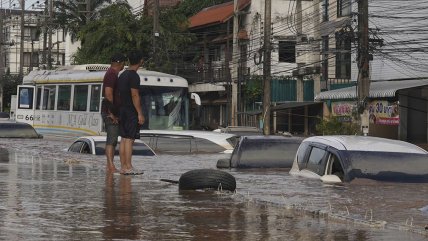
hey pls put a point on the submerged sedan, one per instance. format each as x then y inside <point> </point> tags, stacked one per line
<point>95,145</point>
<point>335,159</point>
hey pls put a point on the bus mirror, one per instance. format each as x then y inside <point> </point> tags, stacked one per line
<point>195,97</point>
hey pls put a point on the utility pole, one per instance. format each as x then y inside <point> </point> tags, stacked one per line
<point>363,83</point>
<point>267,68</point>
<point>1,61</point>
<point>50,34</point>
<point>317,38</point>
<point>235,65</point>
<point>155,29</point>
<point>45,35</point>
<point>299,26</point>
<point>21,51</point>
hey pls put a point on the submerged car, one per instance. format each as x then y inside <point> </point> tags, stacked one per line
<point>13,129</point>
<point>188,141</point>
<point>95,145</point>
<point>262,152</point>
<point>335,159</point>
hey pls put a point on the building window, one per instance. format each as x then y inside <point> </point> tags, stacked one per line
<point>31,59</point>
<point>343,8</point>
<point>343,57</point>
<point>287,51</point>
<point>31,34</point>
<point>325,10</point>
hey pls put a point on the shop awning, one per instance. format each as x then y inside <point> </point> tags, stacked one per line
<point>379,89</point>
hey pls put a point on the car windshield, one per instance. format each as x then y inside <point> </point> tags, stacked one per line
<point>388,165</point>
<point>139,149</point>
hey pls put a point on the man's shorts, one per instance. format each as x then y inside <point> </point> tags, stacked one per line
<point>112,131</point>
<point>128,124</point>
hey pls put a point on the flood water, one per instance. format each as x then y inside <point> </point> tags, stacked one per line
<point>49,194</point>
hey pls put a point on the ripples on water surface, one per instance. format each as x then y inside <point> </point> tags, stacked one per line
<point>49,194</point>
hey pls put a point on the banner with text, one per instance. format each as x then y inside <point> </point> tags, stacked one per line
<point>383,112</point>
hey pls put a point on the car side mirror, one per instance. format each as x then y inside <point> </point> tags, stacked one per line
<point>330,179</point>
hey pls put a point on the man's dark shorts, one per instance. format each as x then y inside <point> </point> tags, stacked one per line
<point>128,124</point>
<point>112,131</point>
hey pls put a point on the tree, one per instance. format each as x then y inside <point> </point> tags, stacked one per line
<point>72,15</point>
<point>115,30</point>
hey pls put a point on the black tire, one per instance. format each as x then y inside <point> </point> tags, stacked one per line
<point>223,163</point>
<point>207,179</point>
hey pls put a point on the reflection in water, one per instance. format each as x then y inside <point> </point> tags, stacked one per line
<point>4,155</point>
<point>120,208</point>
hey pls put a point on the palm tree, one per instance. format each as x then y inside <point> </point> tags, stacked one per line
<point>72,15</point>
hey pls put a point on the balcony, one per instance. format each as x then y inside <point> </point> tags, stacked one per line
<point>208,73</point>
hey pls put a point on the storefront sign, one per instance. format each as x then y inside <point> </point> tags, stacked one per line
<point>384,113</point>
<point>342,111</point>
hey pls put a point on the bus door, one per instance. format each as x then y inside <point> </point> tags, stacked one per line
<point>25,104</point>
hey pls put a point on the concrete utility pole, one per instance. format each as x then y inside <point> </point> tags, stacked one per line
<point>50,3</point>
<point>299,28</point>
<point>363,62</point>
<point>235,66</point>
<point>317,38</point>
<point>155,28</point>
<point>267,68</point>
<point>1,61</point>
<point>21,50</point>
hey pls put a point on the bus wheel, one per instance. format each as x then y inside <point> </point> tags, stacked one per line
<point>207,179</point>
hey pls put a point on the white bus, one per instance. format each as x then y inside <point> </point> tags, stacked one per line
<point>69,100</point>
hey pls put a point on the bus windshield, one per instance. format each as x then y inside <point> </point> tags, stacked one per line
<point>164,107</point>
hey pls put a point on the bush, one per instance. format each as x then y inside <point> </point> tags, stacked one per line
<point>334,126</point>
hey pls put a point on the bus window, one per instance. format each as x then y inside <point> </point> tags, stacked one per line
<point>94,106</point>
<point>80,97</point>
<point>25,100</point>
<point>49,97</point>
<point>38,98</point>
<point>64,94</point>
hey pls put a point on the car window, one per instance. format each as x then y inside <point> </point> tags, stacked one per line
<point>138,149</point>
<point>76,146</point>
<point>86,149</point>
<point>303,148</point>
<point>183,144</point>
<point>334,166</point>
<point>316,161</point>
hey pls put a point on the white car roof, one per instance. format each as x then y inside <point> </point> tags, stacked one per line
<point>366,143</point>
<point>102,138</point>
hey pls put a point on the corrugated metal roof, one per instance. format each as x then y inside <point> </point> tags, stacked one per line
<point>216,14</point>
<point>381,89</point>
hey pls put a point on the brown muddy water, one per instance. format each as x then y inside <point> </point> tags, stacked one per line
<point>49,194</point>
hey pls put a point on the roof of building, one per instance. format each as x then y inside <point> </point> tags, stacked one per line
<point>215,14</point>
<point>380,89</point>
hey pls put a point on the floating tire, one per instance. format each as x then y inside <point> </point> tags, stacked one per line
<point>207,179</point>
<point>223,163</point>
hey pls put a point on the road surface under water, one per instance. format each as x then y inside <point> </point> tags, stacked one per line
<point>49,194</point>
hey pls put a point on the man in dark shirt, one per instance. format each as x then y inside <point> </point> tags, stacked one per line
<point>110,107</point>
<point>131,114</point>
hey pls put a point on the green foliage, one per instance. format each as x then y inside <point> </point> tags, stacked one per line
<point>253,90</point>
<point>114,31</point>
<point>10,83</point>
<point>334,126</point>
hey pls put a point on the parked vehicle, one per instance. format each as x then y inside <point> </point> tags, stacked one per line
<point>262,152</point>
<point>186,141</point>
<point>13,129</point>
<point>95,145</point>
<point>335,159</point>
